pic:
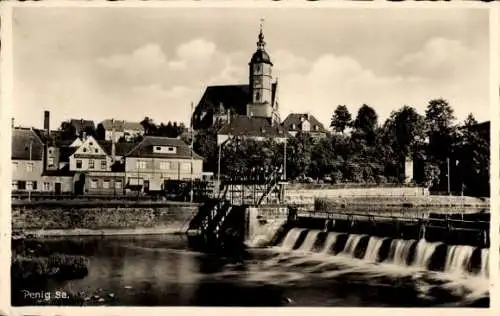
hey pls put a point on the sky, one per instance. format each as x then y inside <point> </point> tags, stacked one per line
<point>128,63</point>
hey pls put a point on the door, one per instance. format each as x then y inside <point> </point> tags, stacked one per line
<point>146,186</point>
<point>58,188</point>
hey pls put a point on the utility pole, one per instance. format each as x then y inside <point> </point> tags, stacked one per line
<point>284,161</point>
<point>191,127</point>
<point>448,167</point>
<point>31,168</point>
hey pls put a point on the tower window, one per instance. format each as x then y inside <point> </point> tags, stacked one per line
<point>257,96</point>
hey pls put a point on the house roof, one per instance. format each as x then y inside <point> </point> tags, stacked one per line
<point>121,149</point>
<point>121,126</point>
<point>293,122</point>
<point>21,140</point>
<point>47,138</point>
<point>243,125</point>
<point>81,124</point>
<point>145,148</point>
<point>234,97</point>
<point>65,152</point>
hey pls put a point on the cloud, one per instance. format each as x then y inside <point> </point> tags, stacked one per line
<point>439,57</point>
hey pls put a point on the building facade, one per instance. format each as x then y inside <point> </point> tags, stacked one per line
<point>304,123</point>
<point>158,159</point>
<point>114,130</point>
<point>27,156</point>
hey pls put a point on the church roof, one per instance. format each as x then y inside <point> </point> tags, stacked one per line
<point>261,56</point>
<point>243,125</point>
<point>294,121</point>
<point>234,97</point>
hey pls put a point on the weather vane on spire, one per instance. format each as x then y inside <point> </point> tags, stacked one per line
<point>261,43</point>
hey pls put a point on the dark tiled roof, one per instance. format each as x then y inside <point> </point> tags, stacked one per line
<point>121,126</point>
<point>53,138</point>
<point>21,140</point>
<point>234,97</point>
<point>145,148</point>
<point>65,152</point>
<point>121,149</point>
<point>64,172</point>
<point>261,56</point>
<point>296,118</point>
<point>252,126</point>
<point>81,125</point>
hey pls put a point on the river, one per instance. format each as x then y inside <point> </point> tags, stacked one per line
<point>303,270</point>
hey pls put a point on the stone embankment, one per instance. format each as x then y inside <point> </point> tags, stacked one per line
<point>96,218</point>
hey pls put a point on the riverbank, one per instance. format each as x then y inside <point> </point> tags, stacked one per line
<point>439,201</point>
<point>97,219</point>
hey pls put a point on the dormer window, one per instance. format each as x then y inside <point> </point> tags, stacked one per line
<point>316,127</point>
<point>294,126</point>
<point>165,149</point>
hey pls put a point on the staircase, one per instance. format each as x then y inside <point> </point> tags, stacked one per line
<point>269,187</point>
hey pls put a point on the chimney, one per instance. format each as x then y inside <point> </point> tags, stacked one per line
<point>113,147</point>
<point>228,116</point>
<point>46,121</point>
<point>12,121</point>
<point>84,135</point>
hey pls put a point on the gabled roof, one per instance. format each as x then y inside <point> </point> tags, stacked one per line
<point>121,126</point>
<point>243,125</point>
<point>144,148</point>
<point>21,140</point>
<point>294,121</point>
<point>81,124</point>
<point>121,149</point>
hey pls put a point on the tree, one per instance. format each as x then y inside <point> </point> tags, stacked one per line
<point>149,126</point>
<point>68,131</point>
<point>341,119</point>
<point>299,155</point>
<point>440,117</point>
<point>365,124</point>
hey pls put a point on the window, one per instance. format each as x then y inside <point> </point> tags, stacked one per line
<point>294,126</point>
<point>186,166</point>
<point>14,185</point>
<point>257,96</point>
<point>34,185</point>
<point>104,164</point>
<point>50,162</point>
<point>165,149</point>
<point>91,164</point>
<point>118,184</point>
<point>84,150</point>
<point>46,186</point>
<point>96,150</point>
<point>105,184</point>
<point>29,185</point>
<point>50,151</point>
<point>140,164</point>
<point>164,165</point>
<point>93,184</point>
<point>29,167</point>
<point>78,164</point>
<point>91,144</point>
<point>316,127</point>
<point>21,185</point>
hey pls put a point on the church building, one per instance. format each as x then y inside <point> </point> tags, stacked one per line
<point>244,111</point>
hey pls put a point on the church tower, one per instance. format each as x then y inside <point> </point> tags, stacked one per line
<point>261,103</point>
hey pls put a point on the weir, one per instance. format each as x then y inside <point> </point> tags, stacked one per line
<point>418,254</point>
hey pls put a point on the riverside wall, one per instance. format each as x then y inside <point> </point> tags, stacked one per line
<point>101,219</point>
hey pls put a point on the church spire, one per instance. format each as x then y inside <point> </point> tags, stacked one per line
<point>261,44</point>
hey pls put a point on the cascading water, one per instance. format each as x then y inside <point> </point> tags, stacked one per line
<point>485,260</point>
<point>291,238</point>
<point>309,241</point>
<point>350,245</point>
<point>373,248</point>
<point>400,251</point>
<point>331,239</point>
<point>423,253</point>
<point>458,259</point>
